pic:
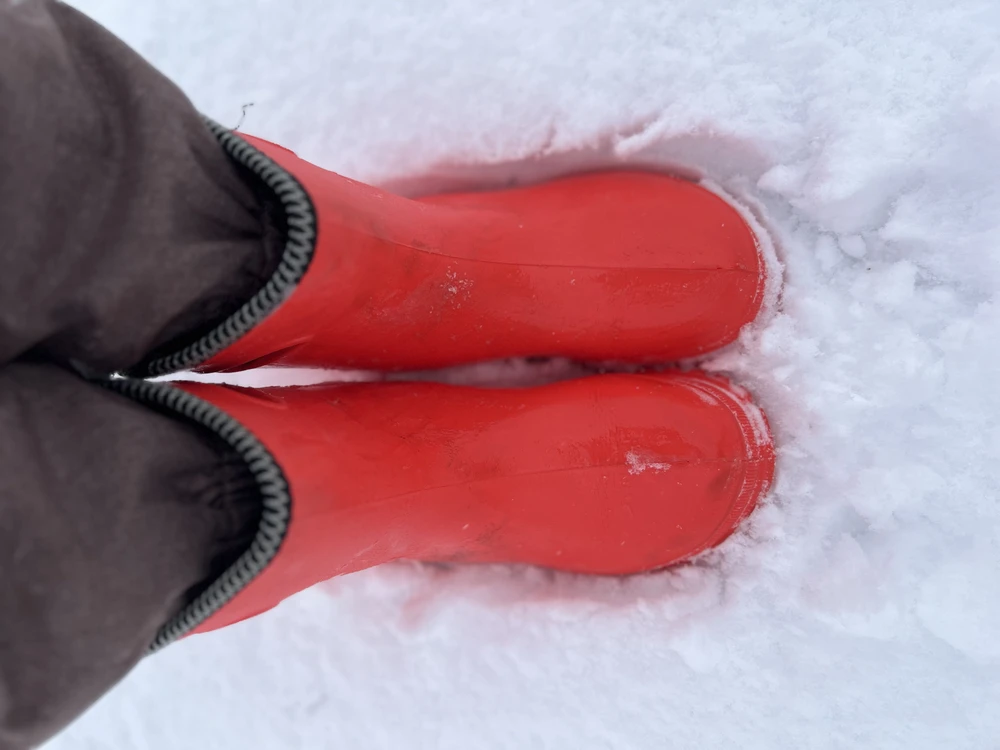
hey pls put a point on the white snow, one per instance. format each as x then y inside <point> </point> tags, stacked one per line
<point>860,608</point>
<point>638,462</point>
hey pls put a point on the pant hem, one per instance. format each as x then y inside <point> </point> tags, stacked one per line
<point>275,495</point>
<point>300,245</point>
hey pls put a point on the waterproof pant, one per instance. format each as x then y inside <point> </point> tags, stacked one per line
<point>123,228</point>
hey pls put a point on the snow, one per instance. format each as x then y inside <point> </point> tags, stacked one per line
<point>860,607</point>
<point>638,463</point>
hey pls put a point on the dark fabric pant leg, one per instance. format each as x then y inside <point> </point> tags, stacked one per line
<point>112,516</point>
<point>124,228</point>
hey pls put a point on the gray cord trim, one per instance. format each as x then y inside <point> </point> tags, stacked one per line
<point>274,491</point>
<point>300,245</point>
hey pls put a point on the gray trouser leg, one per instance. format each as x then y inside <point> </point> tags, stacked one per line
<point>111,517</point>
<point>123,228</point>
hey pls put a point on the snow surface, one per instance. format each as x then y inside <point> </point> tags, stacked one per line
<point>860,608</point>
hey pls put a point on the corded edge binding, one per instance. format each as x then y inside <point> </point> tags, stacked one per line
<point>276,500</point>
<point>300,245</point>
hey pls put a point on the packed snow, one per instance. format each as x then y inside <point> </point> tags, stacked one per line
<point>860,606</point>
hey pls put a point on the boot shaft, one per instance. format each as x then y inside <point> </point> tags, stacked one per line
<point>612,474</point>
<point>624,265</point>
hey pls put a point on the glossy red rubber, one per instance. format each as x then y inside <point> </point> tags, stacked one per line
<point>620,265</point>
<point>610,474</point>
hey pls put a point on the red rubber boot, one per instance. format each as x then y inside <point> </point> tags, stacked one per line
<point>611,474</point>
<point>619,265</point>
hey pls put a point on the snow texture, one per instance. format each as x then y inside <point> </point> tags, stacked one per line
<point>860,607</point>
